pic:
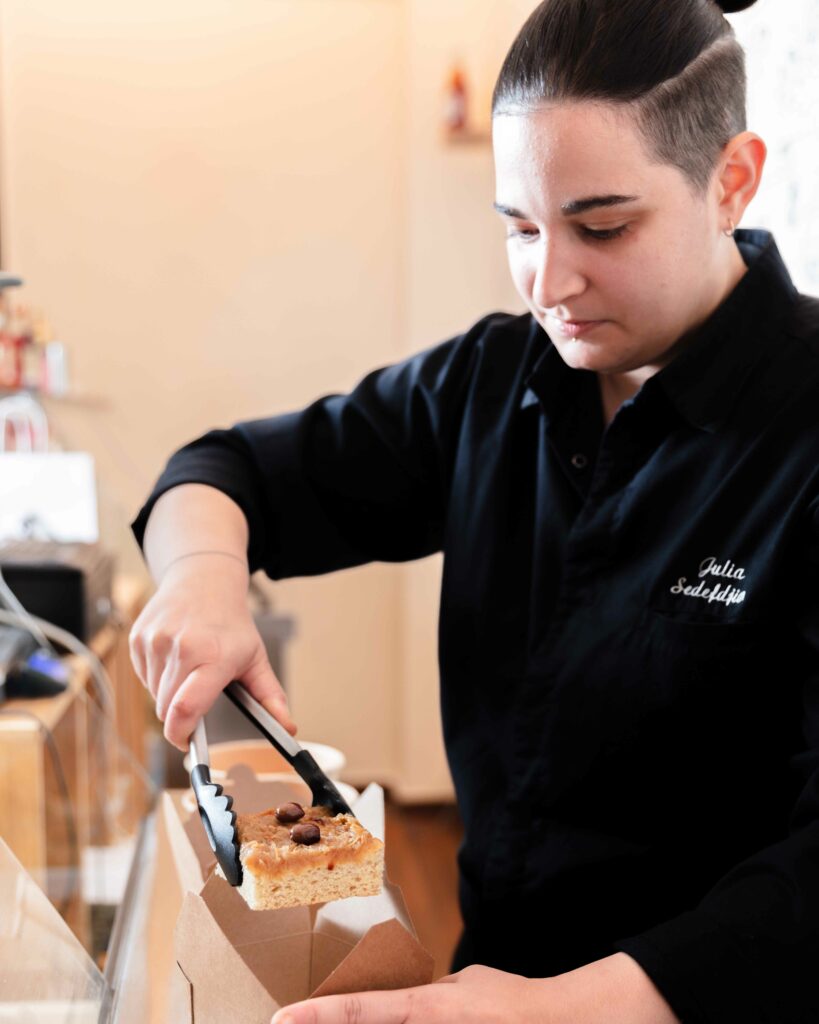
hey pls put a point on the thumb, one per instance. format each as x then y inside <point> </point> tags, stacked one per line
<point>260,681</point>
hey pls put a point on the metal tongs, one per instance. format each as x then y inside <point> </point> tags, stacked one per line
<point>215,807</point>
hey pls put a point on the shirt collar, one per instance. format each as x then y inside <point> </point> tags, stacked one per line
<point>704,379</point>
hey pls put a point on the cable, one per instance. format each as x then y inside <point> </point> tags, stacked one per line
<point>10,600</point>
<point>67,640</point>
<point>105,689</point>
<point>129,756</point>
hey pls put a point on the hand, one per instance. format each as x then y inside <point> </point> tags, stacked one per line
<point>475,995</point>
<point>194,636</point>
<point>614,990</point>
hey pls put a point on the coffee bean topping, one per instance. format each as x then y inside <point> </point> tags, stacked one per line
<point>306,833</point>
<point>289,812</point>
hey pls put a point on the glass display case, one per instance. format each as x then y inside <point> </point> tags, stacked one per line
<point>47,976</point>
<point>87,910</point>
<point>77,789</point>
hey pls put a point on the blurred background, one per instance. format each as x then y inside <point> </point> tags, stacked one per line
<point>227,209</point>
<point>223,209</point>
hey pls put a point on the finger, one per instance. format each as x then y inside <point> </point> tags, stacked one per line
<point>137,653</point>
<point>192,699</point>
<point>181,661</point>
<point>169,682</point>
<point>261,682</point>
<point>362,1007</point>
<point>157,649</point>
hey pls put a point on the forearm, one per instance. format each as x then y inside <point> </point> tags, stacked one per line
<point>615,990</point>
<point>193,518</point>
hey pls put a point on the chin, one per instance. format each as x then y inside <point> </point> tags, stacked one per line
<point>581,355</point>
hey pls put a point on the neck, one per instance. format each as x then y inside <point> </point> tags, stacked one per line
<point>616,388</point>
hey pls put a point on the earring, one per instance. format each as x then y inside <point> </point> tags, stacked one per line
<point>730,229</point>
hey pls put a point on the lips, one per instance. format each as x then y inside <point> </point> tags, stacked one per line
<point>576,328</point>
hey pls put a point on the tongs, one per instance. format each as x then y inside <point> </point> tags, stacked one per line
<point>215,807</point>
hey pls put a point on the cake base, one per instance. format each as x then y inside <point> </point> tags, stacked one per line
<point>278,872</point>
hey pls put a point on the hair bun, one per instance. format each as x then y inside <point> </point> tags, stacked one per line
<point>732,6</point>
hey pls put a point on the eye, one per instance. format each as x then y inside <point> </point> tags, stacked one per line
<point>604,236</point>
<point>525,233</point>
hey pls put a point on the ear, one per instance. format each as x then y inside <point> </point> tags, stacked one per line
<point>739,175</point>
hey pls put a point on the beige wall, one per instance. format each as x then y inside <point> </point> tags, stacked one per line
<point>456,272</point>
<point>227,210</point>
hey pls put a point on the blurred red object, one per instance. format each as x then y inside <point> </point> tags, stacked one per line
<point>456,110</point>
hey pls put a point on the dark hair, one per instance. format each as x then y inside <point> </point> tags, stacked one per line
<point>675,63</point>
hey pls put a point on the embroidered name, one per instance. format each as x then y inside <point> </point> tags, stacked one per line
<point>724,594</point>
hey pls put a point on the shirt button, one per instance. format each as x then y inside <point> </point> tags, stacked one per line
<point>579,461</point>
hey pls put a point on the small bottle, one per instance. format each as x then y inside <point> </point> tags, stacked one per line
<point>23,338</point>
<point>55,380</point>
<point>456,107</point>
<point>34,366</point>
<point>13,341</point>
<point>6,352</point>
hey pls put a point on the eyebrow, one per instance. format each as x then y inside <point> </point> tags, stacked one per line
<point>574,206</point>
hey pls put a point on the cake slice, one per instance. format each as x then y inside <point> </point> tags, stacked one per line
<point>292,856</point>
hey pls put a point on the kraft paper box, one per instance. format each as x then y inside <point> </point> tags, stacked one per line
<point>241,965</point>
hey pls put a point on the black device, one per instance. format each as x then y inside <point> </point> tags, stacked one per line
<point>68,585</point>
<point>26,670</point>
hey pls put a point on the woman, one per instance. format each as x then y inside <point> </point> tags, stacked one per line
<point>624,485</point>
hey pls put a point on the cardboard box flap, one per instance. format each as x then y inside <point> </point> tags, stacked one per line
<point>252,795</point>
<point>250,980</point>
<point>325,956</point>
<point>242,925</point>
<point>190,848</point>
<point>283,962</point>
<point>369,809</point>
<point>180,997</point>
<point>224,987</point>
<point>387,957</point>
<point>282,965</point>
<point>349,919</point>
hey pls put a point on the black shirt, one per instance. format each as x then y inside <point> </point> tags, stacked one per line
<point>629,630</point>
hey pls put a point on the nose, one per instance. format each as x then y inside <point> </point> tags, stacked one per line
<point>558,276</point>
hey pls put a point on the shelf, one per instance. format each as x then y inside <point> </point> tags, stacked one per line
<point>468,138</point>
<point>79,400</point>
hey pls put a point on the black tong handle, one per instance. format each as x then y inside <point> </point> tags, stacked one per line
<point>324,792</point>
